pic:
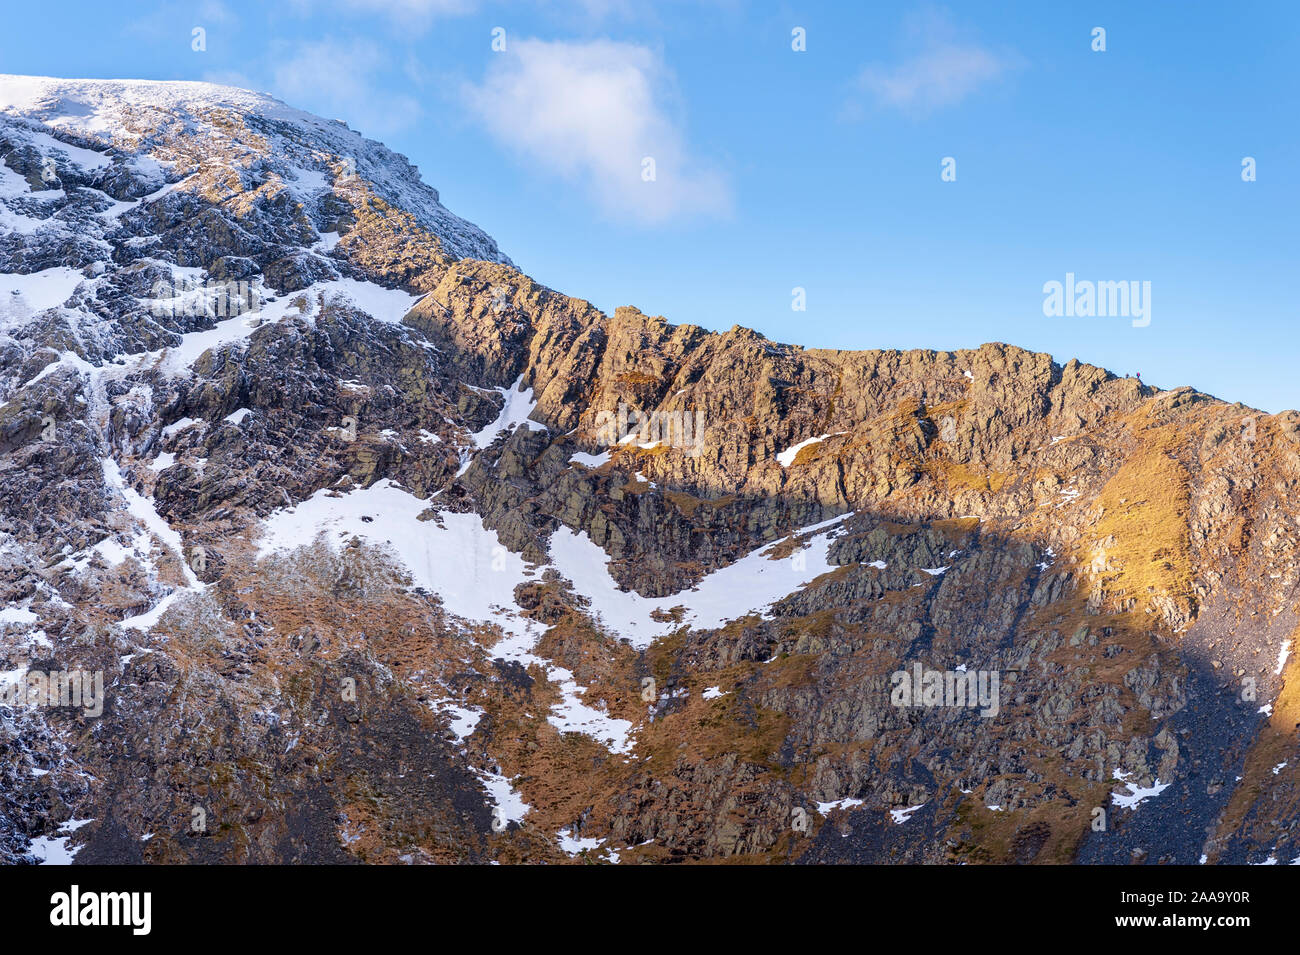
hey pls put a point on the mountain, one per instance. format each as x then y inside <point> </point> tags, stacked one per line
<point>380,551</point>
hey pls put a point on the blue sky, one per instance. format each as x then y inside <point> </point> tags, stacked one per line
<point>818,169</point>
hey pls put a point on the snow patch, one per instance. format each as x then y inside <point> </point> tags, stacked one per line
<point>787,456</point>
<point>53,850</point>
<point>749,585</point>
<point>589,460</point>
<point>36,291</point>
<point>901,816</point>
<point>1136,794</point>
<point>519,404</point>
<point>826,808</point>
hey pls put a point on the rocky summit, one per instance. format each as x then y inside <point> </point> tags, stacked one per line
<point>328,535</point>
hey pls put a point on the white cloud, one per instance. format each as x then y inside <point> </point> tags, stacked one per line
<point>593,112</point>
<point>411,15</point>
<point>420,11</point>
<point>336,79</point>
<point>214,11</point>
<point>171,22</point>
<point>939,77</point>
<point>603,9</point>
<point>942,72</point>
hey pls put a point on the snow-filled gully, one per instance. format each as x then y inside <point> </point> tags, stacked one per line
<point>464,563</point>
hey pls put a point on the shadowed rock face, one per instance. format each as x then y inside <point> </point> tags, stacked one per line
<point>366,580</point>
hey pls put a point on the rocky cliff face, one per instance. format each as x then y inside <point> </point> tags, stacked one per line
<point>383,552</point>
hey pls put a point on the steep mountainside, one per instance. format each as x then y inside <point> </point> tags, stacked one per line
<point>384,552</point>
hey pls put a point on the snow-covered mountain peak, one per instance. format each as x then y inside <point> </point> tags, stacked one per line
<point>144,134</point>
